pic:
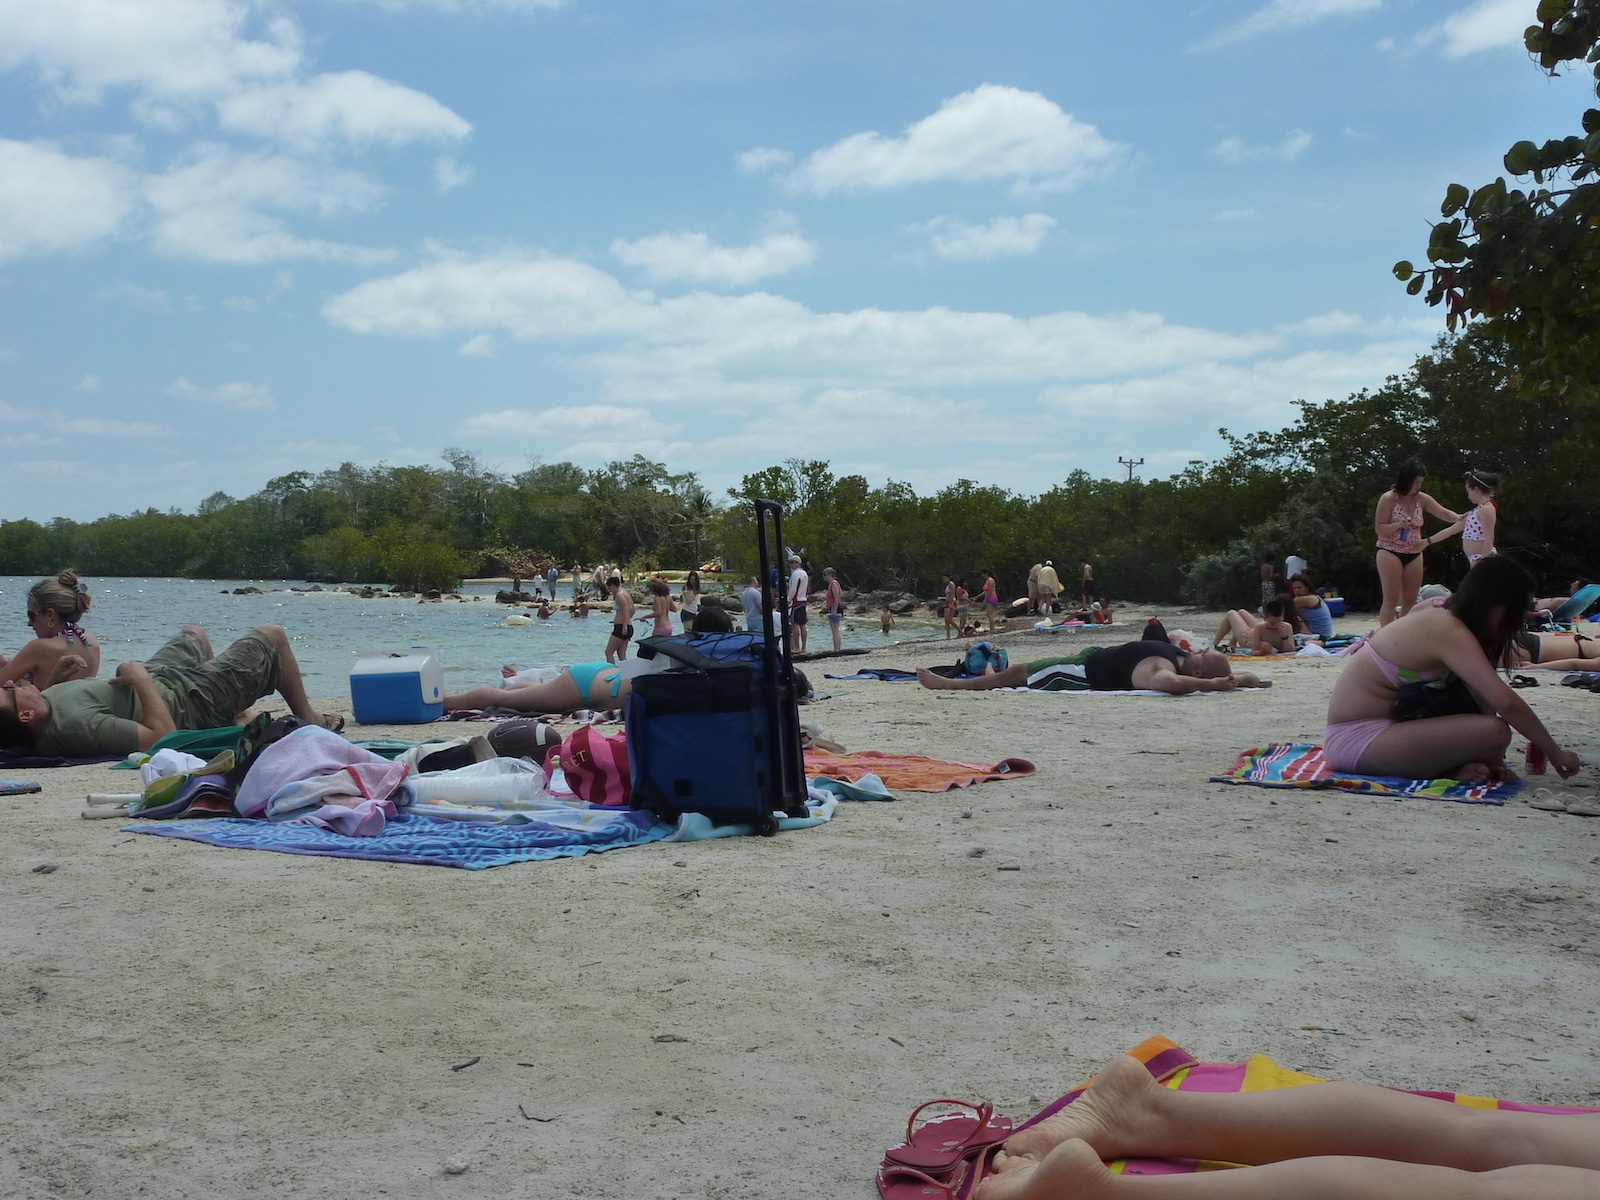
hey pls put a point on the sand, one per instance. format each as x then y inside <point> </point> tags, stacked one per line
<point>756,1017</point>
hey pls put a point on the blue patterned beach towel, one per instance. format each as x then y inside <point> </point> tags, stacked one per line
<point>1301,765</point>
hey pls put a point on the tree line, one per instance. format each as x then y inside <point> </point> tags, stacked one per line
<point>1198,536</point>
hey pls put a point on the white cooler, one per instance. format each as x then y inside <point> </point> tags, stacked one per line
<point>397,689</point>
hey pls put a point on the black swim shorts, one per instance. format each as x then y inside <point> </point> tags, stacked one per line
<point>797,614</point>
<point>622,632</point>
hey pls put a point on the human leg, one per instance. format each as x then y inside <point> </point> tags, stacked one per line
<point>1015,675</point>
<point>1125,1112</point>
<point>290,683</point>
<point>1410,583</point>
<point>560,695</point>
<point>1468,746</point>
<point>1390,570</point>
<point>1073,1171</point>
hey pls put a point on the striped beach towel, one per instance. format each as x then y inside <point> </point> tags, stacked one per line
<point>1301,765</point>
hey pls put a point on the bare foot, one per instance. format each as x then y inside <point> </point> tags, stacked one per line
<point>1472,772</point>
<point>508,671</point>
<point>1072,1171</point>
<point>1117,1116</point>
<point>929,680</point>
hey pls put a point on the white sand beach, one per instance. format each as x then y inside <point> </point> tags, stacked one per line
<point>756,1017</point>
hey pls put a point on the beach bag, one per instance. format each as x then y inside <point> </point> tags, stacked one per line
<point>1446,697</point>
<point>982,657</point>
<point>596,767</point>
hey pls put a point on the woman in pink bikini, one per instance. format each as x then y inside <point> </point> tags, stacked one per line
<point>1398,522</point>
<point>1381,717</point>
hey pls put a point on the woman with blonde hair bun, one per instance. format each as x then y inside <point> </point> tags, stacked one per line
<point>60,649</point>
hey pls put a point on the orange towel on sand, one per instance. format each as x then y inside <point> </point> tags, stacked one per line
<point>912,772</point>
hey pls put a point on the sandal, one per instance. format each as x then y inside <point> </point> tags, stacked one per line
<point>943,1141</point>
<point>333,722</point>
<point>1524,681</point>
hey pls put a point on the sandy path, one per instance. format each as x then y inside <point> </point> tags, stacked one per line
<point>754,1018</point>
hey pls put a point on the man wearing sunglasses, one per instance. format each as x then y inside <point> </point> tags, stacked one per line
<point>181,686</point>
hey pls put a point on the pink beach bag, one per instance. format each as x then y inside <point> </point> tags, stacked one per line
<point>596,767</point>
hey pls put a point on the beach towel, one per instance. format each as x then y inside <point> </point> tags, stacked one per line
<point>1177,1069</point>
<point>912,772</point>
<point>1301,765</point>
<point>26,758</point>
<point>897,675</point>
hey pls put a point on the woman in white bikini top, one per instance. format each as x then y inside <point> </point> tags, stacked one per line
<point>1478,526</point>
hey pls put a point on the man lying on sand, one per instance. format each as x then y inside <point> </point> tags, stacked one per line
<point>181,686</point>
<point>1327,1141</point>
<point>1133,666</point>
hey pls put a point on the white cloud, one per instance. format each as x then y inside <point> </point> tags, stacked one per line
<point>733,340</point>
<point>455,6</point>
<point>166,49</point>
<point>481,346</point>
<point>695,258</point>
<point>241,397</point>
<point>761,159</point>
<point>1282,16</point>
<point>91,384</point>
<point>52,202</point>
<point>1003,237</point>
<point>1483,25</point>
<point>212,208</point>
<point>448,174</point>
<point>1234,150</point>
<point>349,106</point>
<point>993,132</point>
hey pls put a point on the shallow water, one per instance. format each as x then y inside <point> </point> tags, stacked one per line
<point>329,629</point>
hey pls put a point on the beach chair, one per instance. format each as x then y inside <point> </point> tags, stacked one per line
<point>1570,613</point>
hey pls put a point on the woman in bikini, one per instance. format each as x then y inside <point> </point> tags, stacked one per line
<point>991,598</point>
<point>1465,639</point>
<point>597,685</point>
<point>660,607</point>
<point>1398,522</point>
<point>60,649</point>
<point>689,601</point>
<point>1477,527</point>
<point>1556,651</point>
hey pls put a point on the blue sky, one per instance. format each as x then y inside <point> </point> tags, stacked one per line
<point>923,240</point>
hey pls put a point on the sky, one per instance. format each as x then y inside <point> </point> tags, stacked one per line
<point>923,240</point>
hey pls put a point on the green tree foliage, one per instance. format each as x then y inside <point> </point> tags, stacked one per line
<point>1525,257</point>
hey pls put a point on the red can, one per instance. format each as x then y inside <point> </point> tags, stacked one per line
<point>1535,760</point>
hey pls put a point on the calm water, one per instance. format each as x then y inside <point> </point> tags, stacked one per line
<point>329,630</point>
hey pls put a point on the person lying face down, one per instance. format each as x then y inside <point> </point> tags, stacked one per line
<point>1132,666</point>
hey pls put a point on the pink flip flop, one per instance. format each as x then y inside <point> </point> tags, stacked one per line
<point>941,1142</point>
<point>896,1182</point>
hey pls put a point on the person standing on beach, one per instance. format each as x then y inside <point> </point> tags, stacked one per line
<point>1091,590</point>
<point>750,599</point>
<point>621,620</point>
<point>1398,524</point>
<point>550,577</point>
<point>1049,586</point>
<point>991,598</point>
<point>798,592</point>
<point>947,606</point>
<point>1033,588</point>
<point>833,605</point>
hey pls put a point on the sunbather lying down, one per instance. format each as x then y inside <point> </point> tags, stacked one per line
<point>1555,651</point>
<point>1323,1141</point>
<point>596,685</point>
<point>1133,666</point>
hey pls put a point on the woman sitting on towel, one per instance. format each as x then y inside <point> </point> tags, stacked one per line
<point>1273,633</point>
<point>60,649</point>
<point>1313,613</point>
<point>1324,1141</point>
<point>1439,665</point>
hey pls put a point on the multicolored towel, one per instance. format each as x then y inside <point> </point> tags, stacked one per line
<point>912,772</point>
<point>1261,1074</point>
<point>1301,765</point>
<point>423,840</point>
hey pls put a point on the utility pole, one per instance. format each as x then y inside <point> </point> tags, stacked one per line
<point>1130,463</point>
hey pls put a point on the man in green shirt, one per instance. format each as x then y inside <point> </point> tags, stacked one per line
<point>181,686</point>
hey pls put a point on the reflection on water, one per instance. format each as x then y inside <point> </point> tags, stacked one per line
<point>329,629</point>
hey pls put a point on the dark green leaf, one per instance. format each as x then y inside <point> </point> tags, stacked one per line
<point>1454,197</point>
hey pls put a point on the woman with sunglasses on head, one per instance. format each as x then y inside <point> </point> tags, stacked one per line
<point>60,649</point>
<point>1476,527</point>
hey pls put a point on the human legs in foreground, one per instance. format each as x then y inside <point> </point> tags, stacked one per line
<point>1325,1141</point>
<point>1016,675</point>
<point>1470,747</point>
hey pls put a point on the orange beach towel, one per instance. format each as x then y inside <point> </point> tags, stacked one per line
<point>912,772</point>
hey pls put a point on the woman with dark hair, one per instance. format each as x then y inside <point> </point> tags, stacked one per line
<point>1272,633</point>
<point>660,606</point>
<point>1422,698</point>
<point>1398,522</point>
<point>1314,614</point>
<point>689,601</point>
<point>1477,527</point>
<point>60,649</point>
